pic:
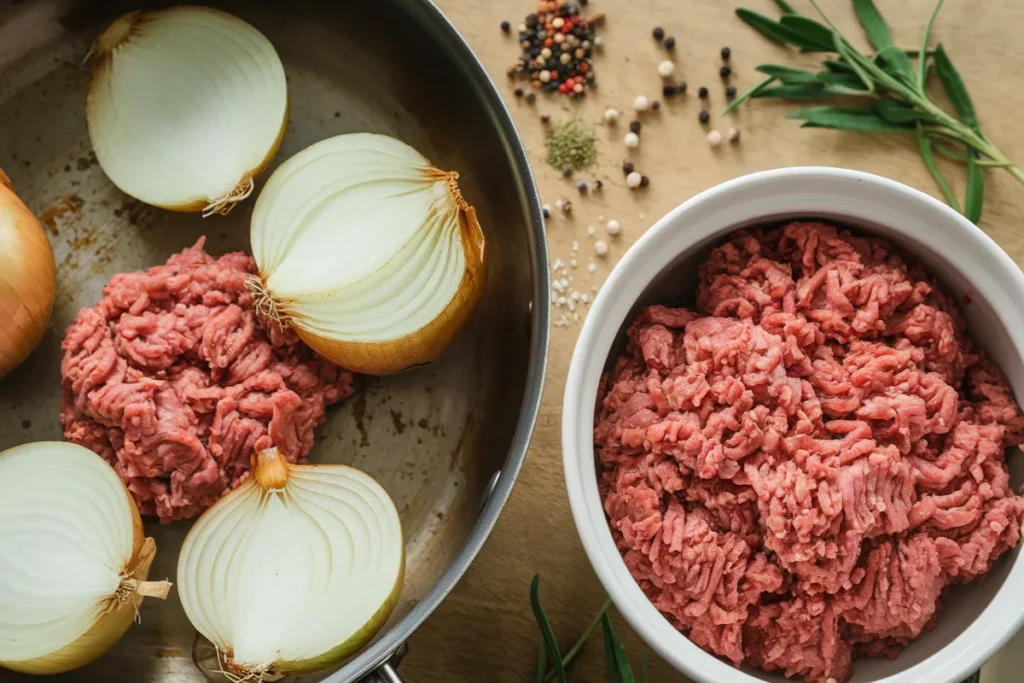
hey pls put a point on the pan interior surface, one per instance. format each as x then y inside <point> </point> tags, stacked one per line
<point>434,437</point>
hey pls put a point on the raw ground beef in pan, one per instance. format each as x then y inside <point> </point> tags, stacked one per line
<point>175,381</point>
<point>795,472</point>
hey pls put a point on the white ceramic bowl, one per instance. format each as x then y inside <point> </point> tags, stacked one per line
<point>975,620</point>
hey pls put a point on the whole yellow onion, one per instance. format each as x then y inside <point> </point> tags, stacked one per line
<point>27,279</point>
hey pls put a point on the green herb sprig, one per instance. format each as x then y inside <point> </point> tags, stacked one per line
<point>619,669</point>
<point>889,89</point>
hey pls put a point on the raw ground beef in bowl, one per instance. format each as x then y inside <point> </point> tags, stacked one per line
<point>175,381</point>
<point>796,470</point>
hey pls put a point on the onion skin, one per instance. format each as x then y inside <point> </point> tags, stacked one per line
<point>110,627</point>
<point>120,32</point>
<point>426,344</point>
<point>27,279</point>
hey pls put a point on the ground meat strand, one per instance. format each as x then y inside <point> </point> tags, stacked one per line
<point>174,380</point>
<point>795,473</point>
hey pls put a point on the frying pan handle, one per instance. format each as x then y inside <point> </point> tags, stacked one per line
<point>388,671</point>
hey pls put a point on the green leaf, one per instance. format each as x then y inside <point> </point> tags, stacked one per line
<point>847,118</point>
<point>787,74</point>
<point>757,87</point>
<point>542,662</point>
<point>815,31</point>
<point>785,7</point>
<point>847,80</point>
<point>975,193</point>
<point>847,52</point>
<point>550,644</point>
<point>807,91</point>
<point>897,64</point>
<point>922,62</point>
<point>925,146</point>
<point>873,23</point>
<point>619,670</point>
<point>955,88</point>
<point>839,67</point>
<point>897,112</point>
<point>779,33</point>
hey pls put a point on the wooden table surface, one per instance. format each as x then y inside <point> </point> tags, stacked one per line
<point>485,630</point>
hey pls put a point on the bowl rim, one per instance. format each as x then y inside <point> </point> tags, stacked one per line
<point>998,277</point>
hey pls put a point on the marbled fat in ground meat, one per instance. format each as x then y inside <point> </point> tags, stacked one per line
<point>175,381</point>
<point>798,470</point>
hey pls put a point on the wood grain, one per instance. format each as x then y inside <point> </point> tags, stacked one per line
<point>485,631</point>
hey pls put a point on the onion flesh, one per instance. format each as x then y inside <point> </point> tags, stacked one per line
<point>294,570</point>
<point>73,559</point>
<point>27,279</point>
<point>186,107</point>
<point>368,251</point>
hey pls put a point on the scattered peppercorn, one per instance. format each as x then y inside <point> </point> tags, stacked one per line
<point>627,167</point>
<point>633,180</point>
<point>658,33</point>
<point>631,140</point>
<point>725,72</point>
<point>726,53</point>
<point>670,43</point>
<point>730,91</point>
<point>505,27</point>
<point>545,118</point>
<point>702,93</point>
<point>704,117</point>
<point>634,126</point>
<point>531,98</point>
<point>567,170</point>
<point>714,138</point>
<point>547,211</point>
<point>644,181</point>
<point>518,92</point>
<point>582,186</point>
<point>655,105</point>
<point>566,207</point>
<point>598,185</point>
<point>681,88</point>
<point>668,90</point>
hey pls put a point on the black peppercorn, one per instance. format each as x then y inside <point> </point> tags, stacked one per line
<point>634,126</point>
<point>725,72</point>
<point>582,186</point>
<point>681,88</point>
<point>670,43</point>
<point>518,92</point>
<point>627,167</point>
<point>658,33</point>
<point>668,90</point>
<point>545,118</point>
<point>644,181</point>
<point>567,171</point>
<point>530,97</point>
<point>730,91</point>
<point>505,27</point>
<point>531,20</point>
<point>704,117</point>
<point>584,2</point>
<point>726,53</point>
<point>547,212</point>
<point>597,185</point>
<point>702,93</point>
<point>655,105</point>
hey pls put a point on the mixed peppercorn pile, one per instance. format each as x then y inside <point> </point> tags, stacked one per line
<point>557,43</point>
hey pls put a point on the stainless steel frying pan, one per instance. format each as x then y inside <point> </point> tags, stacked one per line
<point>447,440</point>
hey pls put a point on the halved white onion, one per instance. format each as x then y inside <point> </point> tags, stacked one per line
<point>73,560</point>
<point>186,107</point>
<point>368,251</point>
<point>294,570</point>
